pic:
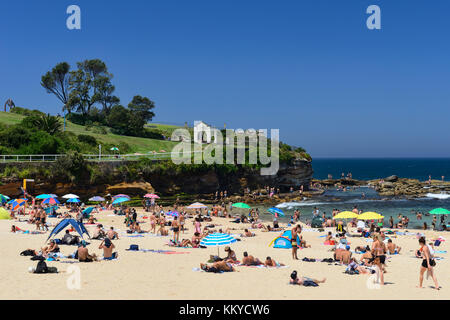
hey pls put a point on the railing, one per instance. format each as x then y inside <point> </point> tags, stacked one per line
<point>88,157</point>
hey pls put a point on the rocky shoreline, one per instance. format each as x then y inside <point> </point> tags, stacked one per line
<point>393,186</point>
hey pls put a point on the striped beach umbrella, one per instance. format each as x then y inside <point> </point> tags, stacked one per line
<point>217,240</point>
<point>276,212</point>
<point>50,201</point>
<point>17,203</point>
<point>197,205</point>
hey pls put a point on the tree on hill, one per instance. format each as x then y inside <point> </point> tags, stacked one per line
<point>56,82</point>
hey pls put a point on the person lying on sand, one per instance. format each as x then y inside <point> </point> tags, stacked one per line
<point>217,267</point>
<point>304,281</point>
<point>83,254</point>
<point>247,233</point>
<point>272,263</point>
<point>354,266</point>
<point>393,248</point>
<point>249,260</point>
<point>268,228</point>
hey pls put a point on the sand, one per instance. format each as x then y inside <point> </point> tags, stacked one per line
<point>139,275</point>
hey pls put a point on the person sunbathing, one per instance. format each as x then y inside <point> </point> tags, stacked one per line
<point>99,233</point>
<point>304,281</point>
<point>272,263</point>
<point>108,248</point>
<point>52,247</point>
<point>250,260</point>
<point>360,249</point>
<point>231,255</point>
<point>219,266</point>
<point>367,257</point>
<point>112,234</point>
<point>393,248</point>
<point>247,233</point>
<point>353,266</point>
<point>83,254</point>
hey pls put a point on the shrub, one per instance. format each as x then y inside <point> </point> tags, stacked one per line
<point>90,140</point>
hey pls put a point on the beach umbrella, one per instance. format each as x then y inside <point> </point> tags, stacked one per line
<point>73,200</point>
<point>97,199</point>
<point>114,149</point>
<point>71,196</point>
<point>197,205</point>
<point>370,216</point>
<point>172,214</point>
<point>276,212</point>
<point>241,205</point>
<point>120,200</point>
<point>3,198</point>
<point>346,215</point>
<point>151,196</point>
<point>217,240</point>
<point>44,196</point>
<point>4,214</point>
<point>50,201</point>
<point>17,203</point>
<point>121,196</point>
<point>439,211</point>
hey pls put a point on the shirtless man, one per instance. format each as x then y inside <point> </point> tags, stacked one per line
<point>272,263</point>
<point>83,254</point>
<point>176,229</point>
<point>250,260</point>
<point>217,267</point>
<point>108,248</point>
<point>345,256</point>
<point>301,280</point>
<point>248,233</point>
<point>52,247</point>
<point>98,233</point>
<point>182,222</point>
<point>393,248</point>
<point>112,234</point>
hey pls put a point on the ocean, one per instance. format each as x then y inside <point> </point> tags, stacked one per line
<point>367,169</point>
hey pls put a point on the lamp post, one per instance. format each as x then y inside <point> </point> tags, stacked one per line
<point>99,152</point>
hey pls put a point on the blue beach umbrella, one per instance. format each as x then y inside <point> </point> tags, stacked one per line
<point>73,200</point>
<point>88,210</point>
<point>120,200</point>
<point>276,211</point>
<point>45,196</point>
<point>217,240</point>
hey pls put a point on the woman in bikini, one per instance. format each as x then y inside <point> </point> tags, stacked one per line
<point>428,263</point>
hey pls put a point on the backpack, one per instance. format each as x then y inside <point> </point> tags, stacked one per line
<point>41,267</point>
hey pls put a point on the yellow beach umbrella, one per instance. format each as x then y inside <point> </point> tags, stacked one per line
<point>346,215</point>
<point>370,216</point>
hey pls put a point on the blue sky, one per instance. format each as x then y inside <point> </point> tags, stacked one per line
<point>310,68</point>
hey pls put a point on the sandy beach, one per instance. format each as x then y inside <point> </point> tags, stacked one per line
<point>149,275</point>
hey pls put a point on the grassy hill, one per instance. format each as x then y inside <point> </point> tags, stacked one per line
<point>139,145</point>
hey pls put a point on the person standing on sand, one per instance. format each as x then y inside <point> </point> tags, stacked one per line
<point>294,242</point>
<point>427,263</point>
<point>176,229</point>
<point>182,221</point>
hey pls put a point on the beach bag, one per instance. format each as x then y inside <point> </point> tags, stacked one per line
<point>41,267</point>
<point>437,243</point>
<point>27,252</point>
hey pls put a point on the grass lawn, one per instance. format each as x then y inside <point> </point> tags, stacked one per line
<point>140,145</point>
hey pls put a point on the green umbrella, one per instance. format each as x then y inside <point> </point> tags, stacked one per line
<point>3,198</point>
<point>439,211</point>
<point>241,205</point>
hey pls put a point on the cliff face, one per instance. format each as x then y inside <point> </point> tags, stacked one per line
<point>207,182</point>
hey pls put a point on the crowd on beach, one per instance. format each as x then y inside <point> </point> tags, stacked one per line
<point>173,224</point>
